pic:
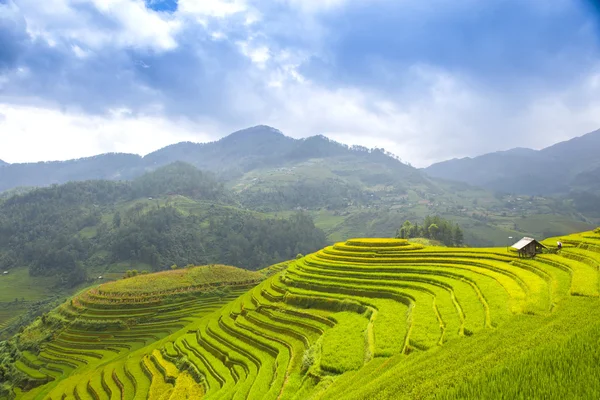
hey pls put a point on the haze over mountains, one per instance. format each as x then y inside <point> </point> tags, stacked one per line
<point>568,166</point>
<point>242,151</point>
<point>565,166</point>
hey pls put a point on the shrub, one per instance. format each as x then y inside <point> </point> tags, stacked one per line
<point>597,230</point>
<point>310,356</point>
<point>299,256</point>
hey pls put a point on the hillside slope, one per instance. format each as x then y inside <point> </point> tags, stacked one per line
<point>112,322</point>
<point>174,215</point>
<point>366,318</point>
<point>555,169</point>
<point>348,190</point>
<point>59,239</point>
<point>231,156</point>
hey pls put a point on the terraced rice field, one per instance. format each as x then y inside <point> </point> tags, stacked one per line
<point>100,332</point>
<point>345,309</point>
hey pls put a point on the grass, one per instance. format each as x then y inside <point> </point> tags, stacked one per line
<point>564,369</point>
<point>462,363</point>
<point>179,279</point>
<point>129,356</point>
<point>362,319</point>
<point>17,284</point>
<point>344,345</point>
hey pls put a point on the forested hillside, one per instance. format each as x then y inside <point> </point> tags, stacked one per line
<point>175,215</point>
<point>348,190</point>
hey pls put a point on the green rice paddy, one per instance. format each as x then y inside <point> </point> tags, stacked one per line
<point>364,319</point>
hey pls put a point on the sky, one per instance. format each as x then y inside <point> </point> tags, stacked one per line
<point>426,80</point>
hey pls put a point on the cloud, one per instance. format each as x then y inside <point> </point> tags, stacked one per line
<point>426,80</point>
<point>211,8</point>
<point>96,24</point>
<point>30,133</point>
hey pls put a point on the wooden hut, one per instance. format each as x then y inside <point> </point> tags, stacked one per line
<point>528,247</point>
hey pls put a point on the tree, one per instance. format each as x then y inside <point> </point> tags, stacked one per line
<point>434,227</point>
<point>433,231</point>
<point>117,220</point>
<point>597,230</point>
<point>458,236</point>
<point>406,231</point>
<point>174,266</point>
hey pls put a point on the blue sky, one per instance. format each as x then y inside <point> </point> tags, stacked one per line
<point>426,80</point>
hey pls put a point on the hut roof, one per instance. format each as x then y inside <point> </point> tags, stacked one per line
<point>524,242</point>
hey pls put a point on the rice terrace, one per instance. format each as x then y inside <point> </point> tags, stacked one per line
<point>361,319</point>
<point>299,200</point>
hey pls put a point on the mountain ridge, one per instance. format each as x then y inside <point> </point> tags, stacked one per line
<point>231,156</point>
<point>551,170</point>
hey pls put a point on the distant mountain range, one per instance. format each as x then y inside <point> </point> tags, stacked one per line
<point>566,166</point>
<point>231,157</point>
<point>350,191</point>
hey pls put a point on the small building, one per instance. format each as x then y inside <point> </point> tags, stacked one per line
<point>528,247</point>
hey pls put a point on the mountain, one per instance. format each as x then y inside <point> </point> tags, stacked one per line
<point>555,169</point>
<point>347,190</point>
<point>230,157</point>
<point>3,163</point>
<point>240,151</point>
<point>113,166</point>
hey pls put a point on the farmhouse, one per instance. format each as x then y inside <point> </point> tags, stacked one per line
<point>528,247</point>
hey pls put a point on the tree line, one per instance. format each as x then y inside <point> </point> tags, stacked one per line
<point>433,227</point>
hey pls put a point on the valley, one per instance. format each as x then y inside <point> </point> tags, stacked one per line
<point>161,210</point>
<point>299,200</point>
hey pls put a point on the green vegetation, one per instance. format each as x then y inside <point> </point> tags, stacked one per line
<point>104,326</point>
<point>343,346</point>
<point>176,280</point>
<point>573,363</point>
<point>362,319</point>
<point>57,240</point>
<point>242,213</point>
<point>435,228</point>
<point>67,230</point>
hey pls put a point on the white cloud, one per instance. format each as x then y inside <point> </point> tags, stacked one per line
<point>560,115</point>
<point>415,128</point>
<point>211,8</point>
<point>131,23</point>
<point>79,52</point>
<point>258,54</point>
<point>440,115</point>
<point>427,114</point>
<point>30,133</point>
